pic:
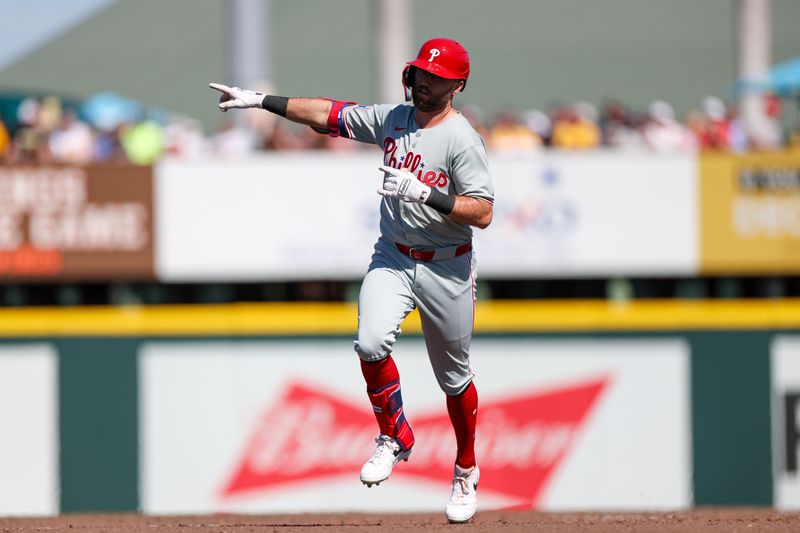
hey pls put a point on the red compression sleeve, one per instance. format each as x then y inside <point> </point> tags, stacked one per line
<point>463,411</point>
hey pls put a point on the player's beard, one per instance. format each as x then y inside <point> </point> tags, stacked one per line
<point>429,102</point>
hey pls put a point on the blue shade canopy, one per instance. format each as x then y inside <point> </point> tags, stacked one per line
<point>107,110</point>
<point>784,78</point>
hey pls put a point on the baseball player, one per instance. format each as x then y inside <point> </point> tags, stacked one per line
<point>436,186</point>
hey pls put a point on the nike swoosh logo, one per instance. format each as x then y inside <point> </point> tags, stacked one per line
<point>398,128</point>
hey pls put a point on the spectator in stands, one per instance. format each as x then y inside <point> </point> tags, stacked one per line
<point>613,116</point>
<point>286,137</point>
<point>108,146</point>
<point>232,141</point>
<point>764,133</point>
<point>738,139</point>
<point>622,128</point>
<point>50,113</point>
<point>29,143</point>
<point>143,142</point>
<point>509,135</point>
<point>574,128</point>
<point>72,141</point>
<point>184,137</point>
<point>339,144</point>
<point>663,133</point>
<point>5,141</point>
<point>695,122</point>
<point>715,129</point>
<point>539,123</point>
<point>45,132</point>
<point>773,109</point>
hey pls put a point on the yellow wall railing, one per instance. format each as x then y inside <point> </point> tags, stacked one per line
<point>509,316</point>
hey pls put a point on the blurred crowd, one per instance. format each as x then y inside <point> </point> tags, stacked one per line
<point>110,130</point>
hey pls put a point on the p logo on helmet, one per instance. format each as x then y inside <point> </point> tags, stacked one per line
<point>434,54</point>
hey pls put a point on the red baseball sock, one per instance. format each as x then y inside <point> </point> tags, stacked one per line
<point>378,374</point>
<point>463,411</point>
<point>383,389</point>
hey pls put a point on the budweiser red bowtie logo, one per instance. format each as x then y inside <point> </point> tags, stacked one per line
<point>520,440</point>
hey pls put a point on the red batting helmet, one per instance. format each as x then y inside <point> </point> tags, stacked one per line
<point>442,57</point>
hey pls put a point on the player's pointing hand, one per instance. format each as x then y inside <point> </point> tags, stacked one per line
<point>404,185</point>
<point>236,97</point>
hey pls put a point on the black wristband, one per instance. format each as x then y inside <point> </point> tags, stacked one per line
<point>275,104</point>
<point>444,203</point>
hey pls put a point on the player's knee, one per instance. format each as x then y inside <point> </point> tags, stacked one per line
<point>453,384</point>
<point>372,347</point>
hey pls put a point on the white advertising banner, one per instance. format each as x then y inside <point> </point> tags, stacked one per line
<point>284,426</point>
<point>597,213</point>
<point>315,215</point>
<point>283,217</point>
<point>29,420</point>
<point>785,366</point>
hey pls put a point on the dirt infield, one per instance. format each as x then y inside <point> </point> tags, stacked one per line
<point>697,521</point>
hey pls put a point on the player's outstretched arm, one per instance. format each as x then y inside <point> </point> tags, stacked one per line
<point>309,111</point>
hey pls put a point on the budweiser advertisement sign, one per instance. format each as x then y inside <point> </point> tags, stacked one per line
<point>273,426</point>
<point>521,440</point>
<point>76,223</point>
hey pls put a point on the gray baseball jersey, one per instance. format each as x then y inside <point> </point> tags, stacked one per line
<point>450,156</point>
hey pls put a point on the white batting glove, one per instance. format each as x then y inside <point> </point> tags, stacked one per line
<point>236,97</point>
<point>404,185</point>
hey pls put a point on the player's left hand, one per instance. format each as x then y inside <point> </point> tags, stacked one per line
<point>236,97</point>
<point>404,185</point>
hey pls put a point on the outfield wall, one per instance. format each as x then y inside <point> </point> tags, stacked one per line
<point>585,405</point>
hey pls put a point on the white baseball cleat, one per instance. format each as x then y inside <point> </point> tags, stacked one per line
<point>463,495</point>
<point>387,454</point>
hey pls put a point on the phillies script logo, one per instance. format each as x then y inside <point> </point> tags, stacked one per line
<point>308,434</point>
<point>413,163</point>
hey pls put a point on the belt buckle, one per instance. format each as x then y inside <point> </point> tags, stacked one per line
<point>416,253</point>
